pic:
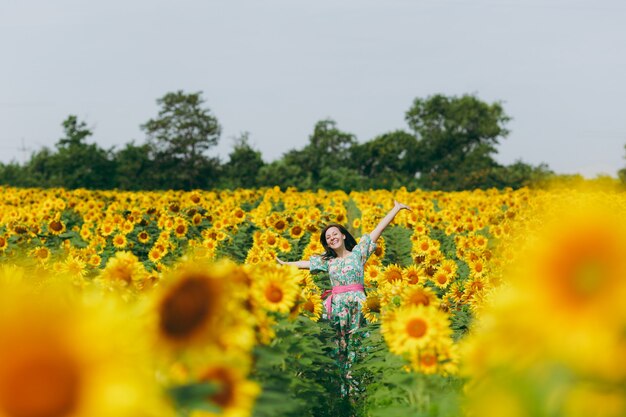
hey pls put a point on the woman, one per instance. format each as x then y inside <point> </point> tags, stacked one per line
<point>344,260</point>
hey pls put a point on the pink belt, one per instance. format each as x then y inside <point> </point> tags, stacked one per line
<point>328,294</point>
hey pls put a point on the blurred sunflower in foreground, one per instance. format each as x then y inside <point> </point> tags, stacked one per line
<point>62,355</point>
<point>551,340</point>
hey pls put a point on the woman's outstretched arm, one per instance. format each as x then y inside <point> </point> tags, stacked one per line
<point>298,264</point>
<point>375,234</point>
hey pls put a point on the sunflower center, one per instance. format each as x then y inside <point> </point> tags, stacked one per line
<point>39,382</point>
<point>309,306</point>
<point>373,304</point>
<point>416,328</point>
<point>428,359</point>
<point>587,278</point>
<point>393,276</point>
<point>442,278</point>
<point>56,226</point>
<point>226,394</point>
<point>186,308</point>
<point>273,293</point>
<point>419,298</point>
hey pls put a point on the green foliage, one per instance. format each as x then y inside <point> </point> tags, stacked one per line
<point>296,372</point>
<point>451,147</point>
<point>242,169</point>
<point>392,391</point>
<point>179,138</point>
<point>193,397</point>
<point>397,246</point>
<point>457,136</point>
<point>237,246</point>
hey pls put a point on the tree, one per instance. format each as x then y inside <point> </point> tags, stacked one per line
<point>134,168</point>
<point>75,133</point>
<point>622,173</point>
<point>457,138</point>
<point>328,148</point>
<point>243,166</point>
<point>78,164</point>
<point>180,137</point>
<point>390,160</point>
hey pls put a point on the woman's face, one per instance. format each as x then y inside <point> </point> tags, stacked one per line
<point>334,238</point>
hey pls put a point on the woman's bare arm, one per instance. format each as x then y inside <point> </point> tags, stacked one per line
<point>375,234</point>
<point>298,264</point>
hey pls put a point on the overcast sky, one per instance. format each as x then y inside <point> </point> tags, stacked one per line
<point>274,68</point>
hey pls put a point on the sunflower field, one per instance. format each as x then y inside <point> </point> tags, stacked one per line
<point>483,303</point>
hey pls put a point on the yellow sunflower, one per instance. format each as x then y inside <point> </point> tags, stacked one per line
<point>415,275</point>
<point>275,288</point>
<point>392,274</point>
<point>296,231</point>
<point>419,295</point>
<point>56,226</point>
<point>311,304</point>
<point>192,307</point>
<point>119,241</point>
<point>441,279</point>
<point>68,359</point>
<point>371,307</point>
<point>124,270</point>
<point>143,237</point>
<point>235,395</point>
<point>41,253</point>
<point>415,327</point>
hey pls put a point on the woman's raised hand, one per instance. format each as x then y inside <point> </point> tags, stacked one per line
<point>401,206</point>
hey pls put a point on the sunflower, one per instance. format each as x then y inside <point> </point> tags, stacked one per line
<point>271,239</point>
<point>311,304</point>
<point>107,228</point>
<point>192,307</point>
<point>478,266</point>
<point>371,307</point>
<point>415,327</point>
<point>392,274</point>
<point>279,225</point>
<point>181,230</point>
<point>122,270</point>
<point>275,289</point>
<point>127,227</point>
<point>449,267</point>
<point>379,252</point>
<point>235,394</point>
<point>41,253</point>
<point>74,266</point>
<point>67,359</point>
<point>156,254</point>
<point>296,231</point>
<point>56,226</point>
<point>143,237</point>
<point>371,274</point>
<point>85,233</point>
<point>419,295</point>
<point>415,274</point>
<point>284,246</point>
<point>425,361</point>
<point>94,260</point>
<point>119,241</point>
<point>441,279</point>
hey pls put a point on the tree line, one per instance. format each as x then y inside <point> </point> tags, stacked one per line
<point>449,144</point>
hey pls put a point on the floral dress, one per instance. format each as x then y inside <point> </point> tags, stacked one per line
<point>346,315</point>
